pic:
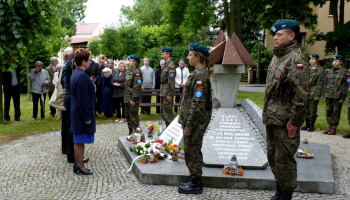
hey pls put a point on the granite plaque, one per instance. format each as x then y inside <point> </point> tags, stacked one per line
<point>173,131</point>
<point>232,133</point>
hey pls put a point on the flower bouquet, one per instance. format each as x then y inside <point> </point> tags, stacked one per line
<point>152,127</point>
<point>173,150</point>
<point>155,147</point>
<point>227,170</point>
<point>301,154</point>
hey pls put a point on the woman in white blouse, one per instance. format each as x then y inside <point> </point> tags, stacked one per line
<point>54,81</point>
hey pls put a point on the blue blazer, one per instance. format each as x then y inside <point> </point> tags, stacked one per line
<point>82,92</point>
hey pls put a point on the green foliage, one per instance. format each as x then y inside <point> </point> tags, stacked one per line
<point>250,30</point>
<point>337,39</point>
<point>108,43</point>
<point>265,56</point>
<point>269,11</point>
<point>144,12</point>
<point>71,12</point>
<point>94,47</point>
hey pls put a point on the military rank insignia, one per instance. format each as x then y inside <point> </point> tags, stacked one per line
<point>199,83</point>
<point>198,93</point>
<point>299,66</point>
<point>277,77</point>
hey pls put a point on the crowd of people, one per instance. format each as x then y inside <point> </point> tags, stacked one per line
<point>291,96</point>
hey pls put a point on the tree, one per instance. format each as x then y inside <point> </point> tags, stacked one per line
<point>233,17</point>
<point>265,56</point>
<point>22,23</point>
<point>337,40</point>
<point>109,41</point>
<point>94,47</point>
<point>145,12</point>
<point>72,11</point>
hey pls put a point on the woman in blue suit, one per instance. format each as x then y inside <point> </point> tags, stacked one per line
<point>83,124</point>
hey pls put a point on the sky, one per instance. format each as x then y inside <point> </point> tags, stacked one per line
<point>104,11</point>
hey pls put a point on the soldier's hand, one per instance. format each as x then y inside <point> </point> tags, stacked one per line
<point>341,101</point>
<point>291,130</point>
<point>88,123</point>
<point>324,99</point>
<point>142,87</point>
<point>132,104</point>
<point>186,133</point>
<point>169,99</point>
<point>315,99</point>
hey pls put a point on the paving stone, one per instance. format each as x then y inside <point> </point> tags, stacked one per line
<point>34,168</point>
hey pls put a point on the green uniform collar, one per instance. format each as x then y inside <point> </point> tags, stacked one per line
<point>281,51</point>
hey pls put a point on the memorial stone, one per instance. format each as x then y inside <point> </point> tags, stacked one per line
<point>230,134</point>
<point>173,131</point>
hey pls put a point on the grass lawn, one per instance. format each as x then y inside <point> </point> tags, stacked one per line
<point>13,130</point>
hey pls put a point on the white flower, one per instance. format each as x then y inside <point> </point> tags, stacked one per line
<point>144,149</point>
<point>149,149</point>
<point>156,151</point>
<point>141,152</point>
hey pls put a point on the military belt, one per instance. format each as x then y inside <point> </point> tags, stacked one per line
<point>313,84</point>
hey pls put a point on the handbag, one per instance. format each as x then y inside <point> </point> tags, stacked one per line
<point>58,94</point>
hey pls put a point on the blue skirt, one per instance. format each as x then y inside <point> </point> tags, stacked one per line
<point>83,138</point>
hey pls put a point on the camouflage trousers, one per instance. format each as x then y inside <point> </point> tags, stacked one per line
<point>166,109</point>
<point>132,115</point>
<point>280,154</point>
<point>193,152</point>
<point>333,110</point>
<point>311,110</point>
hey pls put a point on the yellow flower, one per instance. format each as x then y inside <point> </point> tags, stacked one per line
<point>171,147</point>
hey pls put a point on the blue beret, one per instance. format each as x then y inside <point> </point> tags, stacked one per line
<point>338,57</point>
<point>135,57</point>
<point>283,24</point>
<point>167,49</point>
<point>314,56</point>
<point>199,48</point>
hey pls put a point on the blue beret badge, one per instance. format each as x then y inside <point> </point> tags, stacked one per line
<point>139,81</point>
<point>171,75</point>
<point>198,94</point>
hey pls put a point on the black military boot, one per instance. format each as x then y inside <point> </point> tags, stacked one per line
<point>130,131</point>
<point>278,192</point>
<point>346,136</point>
<point>194,187</point>
<point>312,126</point>
<point>286,195</point>
<point>306,126</point>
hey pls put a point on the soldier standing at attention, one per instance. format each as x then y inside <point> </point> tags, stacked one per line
<point>133,90</point>
<point>335,90</point>
<point>286,96</point>
<point>195,114</point>
<point>315,84</point>
<point>167,87</point>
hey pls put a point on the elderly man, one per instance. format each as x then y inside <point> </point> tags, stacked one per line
<point>40,78</point>
<point>148,83</point>
<point>51,87</point>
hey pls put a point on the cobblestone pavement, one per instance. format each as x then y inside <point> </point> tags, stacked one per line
<point>34,168</point>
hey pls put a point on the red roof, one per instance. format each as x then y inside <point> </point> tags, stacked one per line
<point>86,28</point>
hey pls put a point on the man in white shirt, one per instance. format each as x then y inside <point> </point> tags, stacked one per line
<point>148,83</point>
<point>182,74</point>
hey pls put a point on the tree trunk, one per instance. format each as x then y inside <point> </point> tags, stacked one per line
<point>341,12</point>
<point>1,107</point>
<point>29,88</point>
<point>227,18</point>
<point>335,13</point>
<point>238,19</point>
<point>232,17</point>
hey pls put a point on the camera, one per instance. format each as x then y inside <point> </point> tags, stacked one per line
<point>103,57</point>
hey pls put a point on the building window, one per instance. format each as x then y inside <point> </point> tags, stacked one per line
<point>330,8</point>
<point>301,39</point>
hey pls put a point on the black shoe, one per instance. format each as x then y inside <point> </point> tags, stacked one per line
<point>194,187</point>
<point>19,120</point>
<point>278,192</point>
<point>130,131</point>
<point>185,183</point>
<point>286,195</point>
<point>311,127</point>
<point>346,136</point>
<point>71,160</point>
<point>77,169</point>
<point>306,126</point>
<point>86,160</point>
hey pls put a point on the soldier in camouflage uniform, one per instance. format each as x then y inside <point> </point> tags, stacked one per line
<point>286,96</point>
<point>133,90</point>
<point>315,84</point>
<point>167,87</point>
<point>195,114</point>
<point>335,89</point>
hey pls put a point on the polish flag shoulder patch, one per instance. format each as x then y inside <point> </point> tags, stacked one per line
<point>199,83</point>
<point>299,66</point>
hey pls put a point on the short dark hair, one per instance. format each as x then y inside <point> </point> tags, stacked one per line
<point>80,55</point>
<point>295,30</point>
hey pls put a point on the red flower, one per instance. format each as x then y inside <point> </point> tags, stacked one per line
<point>134,142</point>
<point>159,141</point>
<point>142,140</point>
<point>152,127</point>
<point>164,144</point>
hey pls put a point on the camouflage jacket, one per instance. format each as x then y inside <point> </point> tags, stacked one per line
<point>316,82</point>
<point>336,85</point>
<point>167,79</point>
<point>133,85</point>
<point>196,104</point>
<point>287,87</point>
